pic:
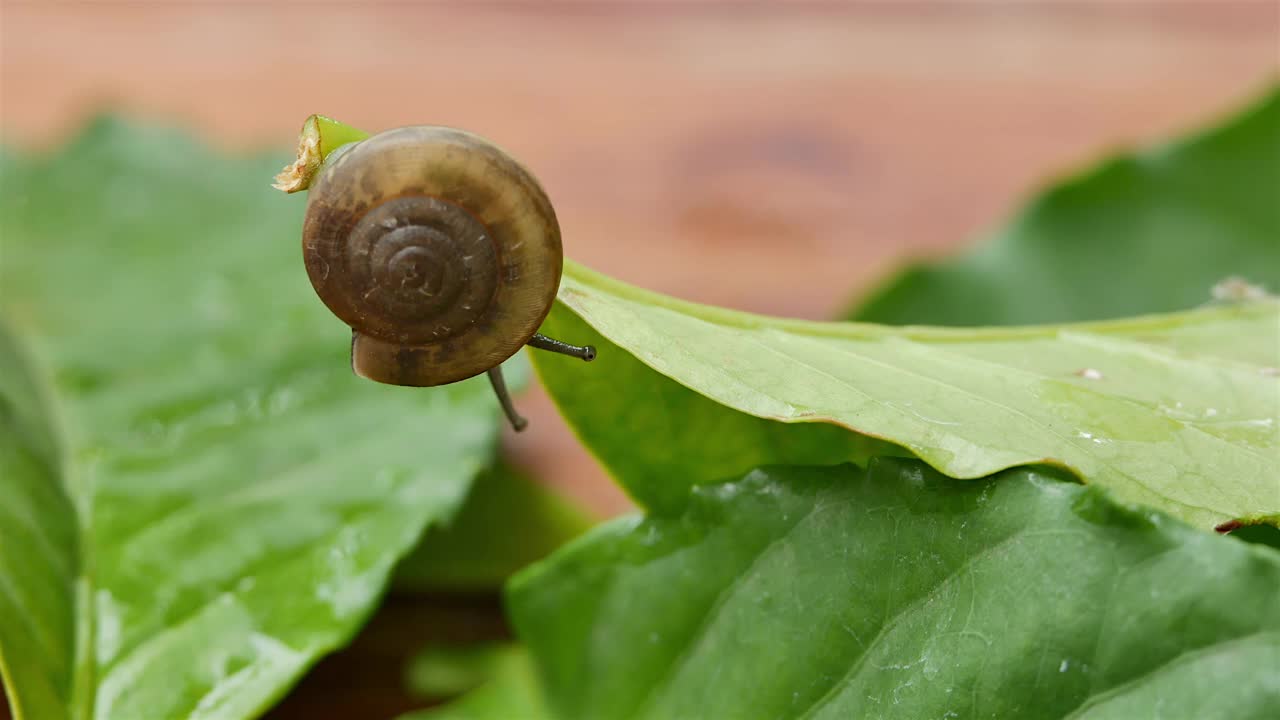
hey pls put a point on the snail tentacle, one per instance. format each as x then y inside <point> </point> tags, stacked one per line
<point>518,423</point>
<point>582,352</point>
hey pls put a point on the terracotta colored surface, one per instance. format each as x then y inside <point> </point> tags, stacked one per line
<point>776,159</point>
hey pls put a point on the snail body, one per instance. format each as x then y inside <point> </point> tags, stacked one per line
<point>438,249</point>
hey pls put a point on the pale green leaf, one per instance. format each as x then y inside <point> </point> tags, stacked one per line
<point>1178,411</point>
<point>657,436</point>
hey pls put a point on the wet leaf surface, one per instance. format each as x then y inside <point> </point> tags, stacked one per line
<point>200,498</point>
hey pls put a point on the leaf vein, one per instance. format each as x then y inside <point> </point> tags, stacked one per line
<point>708,617</point>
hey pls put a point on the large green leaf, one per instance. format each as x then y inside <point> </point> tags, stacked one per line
<point>198,498</point>
<point>1180,412</point>
<point>899,593</point>
<point>657,436</point>
<point>38,556</point>
<point>1143,233</point>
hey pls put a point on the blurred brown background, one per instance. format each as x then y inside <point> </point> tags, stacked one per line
<point>775,158</point>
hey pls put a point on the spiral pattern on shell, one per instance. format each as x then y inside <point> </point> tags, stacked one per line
<point>438,249</point>
<point>422,266</point>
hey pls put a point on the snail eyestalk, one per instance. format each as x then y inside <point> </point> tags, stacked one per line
<point>504,399</point>
<point>319,137</point>
<point>582,352</point>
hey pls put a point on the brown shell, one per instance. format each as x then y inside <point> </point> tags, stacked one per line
<point>439,250</point>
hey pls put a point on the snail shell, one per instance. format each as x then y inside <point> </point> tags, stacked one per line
<point>439,250</point>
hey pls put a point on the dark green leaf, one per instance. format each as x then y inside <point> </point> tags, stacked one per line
<point>899,593</point>
<point>199,499</point>
<point>1261,534</point>
<point>1151,232</point>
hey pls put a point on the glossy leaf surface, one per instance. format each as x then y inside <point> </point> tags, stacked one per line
<point>1180,411</point>
<point>199,497</point>
<point>657,436</point>
<point>899,593</point>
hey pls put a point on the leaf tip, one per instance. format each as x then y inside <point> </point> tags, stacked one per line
<point>298,174</point>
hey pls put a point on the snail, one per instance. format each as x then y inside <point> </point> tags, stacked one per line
<point>438,249</point>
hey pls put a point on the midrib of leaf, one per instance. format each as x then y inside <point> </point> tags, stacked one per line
<point>859,661</point>
<point>84,692</point>
<point>53,426</point>
<point>709,616</point>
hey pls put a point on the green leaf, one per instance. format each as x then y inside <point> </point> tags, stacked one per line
<point>1143,233</point>
<point>657,436</point>
<point>506,687</point>
<point>899,593</point>
<point>508,521</point>
<point>37,543</point>
<point>1151,232</point>
<point>1176,411</point>
<point>199,498</point>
